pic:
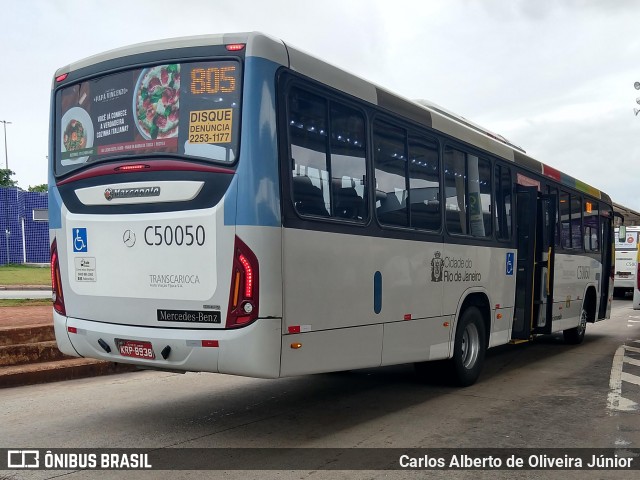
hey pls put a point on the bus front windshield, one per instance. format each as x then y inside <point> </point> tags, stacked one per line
<point>188,109</point>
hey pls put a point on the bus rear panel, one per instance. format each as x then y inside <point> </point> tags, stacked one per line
<point>149,263</point>
<point>625,261</point>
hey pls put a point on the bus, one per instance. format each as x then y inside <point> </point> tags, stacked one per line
<point>636,285</point>
<point>231,204</point>
<point>626,247</point>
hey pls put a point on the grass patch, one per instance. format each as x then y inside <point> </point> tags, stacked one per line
<point>24,275</point>
<point>24,302</point>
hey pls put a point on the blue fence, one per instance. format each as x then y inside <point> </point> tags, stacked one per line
<point>24,229</point>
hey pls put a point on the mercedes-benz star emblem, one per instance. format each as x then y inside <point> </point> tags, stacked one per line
<point>129,238</point>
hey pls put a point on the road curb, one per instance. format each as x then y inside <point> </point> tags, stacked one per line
<point>25,287</point>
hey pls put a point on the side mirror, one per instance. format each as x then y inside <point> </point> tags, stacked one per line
<point>622,234</point>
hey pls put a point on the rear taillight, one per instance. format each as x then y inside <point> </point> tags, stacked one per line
<point>243,297</point>
<point>56,281</point>
<point>638,277</point>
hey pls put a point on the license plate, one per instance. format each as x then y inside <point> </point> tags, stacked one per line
<point>136,349</point>
<point>624,275</point>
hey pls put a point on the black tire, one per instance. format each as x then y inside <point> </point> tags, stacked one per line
<point>575,336</point>
<point>469,348</point>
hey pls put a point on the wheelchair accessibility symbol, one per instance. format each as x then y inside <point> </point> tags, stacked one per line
<point>79,240</point>
<point>509,263</point>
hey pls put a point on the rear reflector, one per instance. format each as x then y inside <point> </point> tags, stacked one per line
<point>72,330</point>
<point>210,343</point>
<point>299,328</point>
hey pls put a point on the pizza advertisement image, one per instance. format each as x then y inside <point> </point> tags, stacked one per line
<point>157,102</point>
<point>147,111</point>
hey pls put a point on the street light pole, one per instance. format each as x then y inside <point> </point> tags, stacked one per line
<point>6,156</point>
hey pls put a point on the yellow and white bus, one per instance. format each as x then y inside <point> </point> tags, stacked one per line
<point>229,203</point>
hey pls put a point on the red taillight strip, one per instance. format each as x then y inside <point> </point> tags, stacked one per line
<point>248,272</point>
<point>153,166</point>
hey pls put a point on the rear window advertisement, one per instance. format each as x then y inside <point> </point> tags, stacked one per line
<point>187,109</point>
<point>629,243</point>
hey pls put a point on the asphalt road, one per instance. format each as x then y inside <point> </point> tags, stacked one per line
<point>537,395</point>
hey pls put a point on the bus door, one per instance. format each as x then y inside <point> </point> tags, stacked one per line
<point>606,285</point>
<point>535,264</point>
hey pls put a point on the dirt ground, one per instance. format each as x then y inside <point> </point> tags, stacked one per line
<point>19,316</point>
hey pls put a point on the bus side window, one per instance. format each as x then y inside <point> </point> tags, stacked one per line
<point>390,169</point>
<point>328,161</point>
<point>554,191</point>
<point>307,134</point>
<point>455,191</point>
<point>591,217</point>
<point>348,163</point>
<point>503,202</point>
<point>424,183</point>
<point>480,214</point>
<point>576,221</point>
<point>565,220</point>
<point>467,183</point>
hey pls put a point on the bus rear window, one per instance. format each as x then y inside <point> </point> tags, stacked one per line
<point>190,109</point>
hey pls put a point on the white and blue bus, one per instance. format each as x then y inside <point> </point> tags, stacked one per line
<point>228,203</point>
<point>626,248</point>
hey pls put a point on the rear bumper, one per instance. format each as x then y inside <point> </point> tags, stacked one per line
<point>252,351</point>
<point>624,282</point>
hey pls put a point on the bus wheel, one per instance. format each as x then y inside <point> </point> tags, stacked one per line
<point>575,336</point>
<point>469,348</point>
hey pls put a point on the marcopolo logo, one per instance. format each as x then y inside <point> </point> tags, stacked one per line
<point>113,193</point>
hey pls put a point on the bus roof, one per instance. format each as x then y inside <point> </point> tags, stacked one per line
<point>420,111</point>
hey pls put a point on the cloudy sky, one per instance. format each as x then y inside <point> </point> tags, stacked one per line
<point>553,76</point>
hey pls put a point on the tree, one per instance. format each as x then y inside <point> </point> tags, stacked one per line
<point>39,188</point>
<point>5,178</point>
